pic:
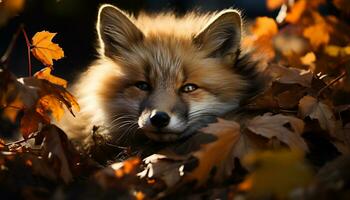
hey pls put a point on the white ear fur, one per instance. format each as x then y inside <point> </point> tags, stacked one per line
<point>222,35</point>
<point>115,30</point>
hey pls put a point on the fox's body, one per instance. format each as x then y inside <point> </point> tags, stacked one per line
<point>163,76</point>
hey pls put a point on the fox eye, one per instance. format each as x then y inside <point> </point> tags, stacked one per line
<point>142,85</point>
<point>190,87</point>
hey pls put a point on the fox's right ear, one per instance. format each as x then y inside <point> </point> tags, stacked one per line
<point>115,31</point>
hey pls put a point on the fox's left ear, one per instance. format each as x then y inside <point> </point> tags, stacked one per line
<point>222,36</point>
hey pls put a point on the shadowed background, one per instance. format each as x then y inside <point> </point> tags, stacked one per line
<point>74,23</point>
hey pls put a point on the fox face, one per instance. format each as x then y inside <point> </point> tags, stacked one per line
<point>162,76</point>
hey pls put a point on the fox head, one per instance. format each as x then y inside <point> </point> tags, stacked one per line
<point>169,77</point>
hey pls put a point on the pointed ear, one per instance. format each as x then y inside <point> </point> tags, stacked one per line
<point>222,36</point>
<point>115,31</point>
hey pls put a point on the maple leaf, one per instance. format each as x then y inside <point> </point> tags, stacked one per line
<point>275,173</point>
<point>44,49</point>
<point>46,74</point>
<point>311,107</point>
<point>270,126</point>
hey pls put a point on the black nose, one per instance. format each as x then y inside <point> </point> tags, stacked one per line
<point>160,119</point>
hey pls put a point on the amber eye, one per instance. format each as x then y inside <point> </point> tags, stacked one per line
<point>142,85</point>
<point>190,87</point>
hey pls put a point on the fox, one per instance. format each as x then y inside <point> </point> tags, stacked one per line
<point>162,77</point>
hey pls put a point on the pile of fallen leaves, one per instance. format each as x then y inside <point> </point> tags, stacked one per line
<point>294,145</point>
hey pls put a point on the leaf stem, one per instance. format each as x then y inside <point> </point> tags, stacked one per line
<point>342,75</point>
<point>28,52</point>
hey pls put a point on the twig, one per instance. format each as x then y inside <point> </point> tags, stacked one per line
<point>28,51</point>
<point>5,58</point>
<point>342,75</point>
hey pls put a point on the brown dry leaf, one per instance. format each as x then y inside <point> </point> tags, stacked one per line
<point>296,12</point>
<point>50,104</point>
<point>44,49</point>
<point>276,174</point>
<point>343,5</point>
<point>30,122</point>
<point>274,4</point>
<point>55,145</point>
<point>311,107</point>
<point>290,75</point>
<point>270,126</point>
<point>46,74</point>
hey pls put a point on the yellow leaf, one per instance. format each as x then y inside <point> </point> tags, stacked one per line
<point>275,174</point>
<point>308,59</point>
<point>44,49</point>
<point>332,50</point>
<point>46,74</point>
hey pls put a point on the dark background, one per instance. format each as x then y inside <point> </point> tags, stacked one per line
<point>74,23</point>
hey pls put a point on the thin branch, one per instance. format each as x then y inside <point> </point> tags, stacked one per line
<point>342,75</point>
<point>28,52</point>
<point>5,58</point>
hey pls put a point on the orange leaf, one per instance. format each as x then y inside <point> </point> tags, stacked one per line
<point>274,4</point>
<point>263,31</point>
<point>44,49</point>
<point>51,104</point>
<point>30,122</point>
<point>297,10</point>
<point>46,74</point>
<point>318,34</point>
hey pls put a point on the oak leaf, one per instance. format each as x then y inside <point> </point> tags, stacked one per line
<point>318,34</point>
<point>44,49</point>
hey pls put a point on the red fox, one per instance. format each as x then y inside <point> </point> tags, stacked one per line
<point>163,76</point>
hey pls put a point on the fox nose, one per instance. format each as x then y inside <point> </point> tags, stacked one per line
<point>159,119</point>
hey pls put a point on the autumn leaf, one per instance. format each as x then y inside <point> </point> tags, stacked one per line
<point>296,12</point>
<point>44,49</point>
<point>311,107</point>
<point>318,34</point>
<point>275,173</point>
<point>270,126</point>
<point>31,121</point>
<point>52,105</point>
<point>263,31</point>
<point>343,5</point>
<point>274,4</point>
<point>290,75</point>
<point>46,74</point>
